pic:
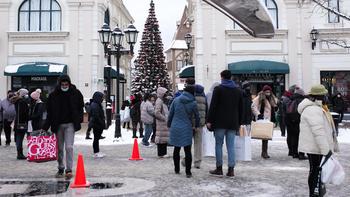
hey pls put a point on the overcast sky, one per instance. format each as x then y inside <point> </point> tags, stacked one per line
<point>167,13</point>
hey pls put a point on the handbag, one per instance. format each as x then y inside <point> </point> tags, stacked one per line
<point>331,170</point>
<point>262,129</point>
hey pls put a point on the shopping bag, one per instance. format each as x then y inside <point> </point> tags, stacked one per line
<point>262,129</point>
<point>243,148</point>
<point>332,171</point>
<point>126,115</point>
<point>42,147</point>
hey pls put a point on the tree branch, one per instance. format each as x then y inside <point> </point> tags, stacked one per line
<point>322,4</point>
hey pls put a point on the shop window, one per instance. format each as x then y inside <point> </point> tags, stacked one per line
<point>336,82</point>
<point>273,10</point>
<point>333,18</point>
<point>39,15</point>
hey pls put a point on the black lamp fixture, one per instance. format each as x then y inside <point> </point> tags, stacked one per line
<point>188,39</point>
<point>116,36</point>
<point>314,34</point>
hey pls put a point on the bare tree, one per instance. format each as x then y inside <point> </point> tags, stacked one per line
<point>324,5</point>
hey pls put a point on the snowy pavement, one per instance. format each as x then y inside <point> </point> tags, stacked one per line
<point>279,176</point>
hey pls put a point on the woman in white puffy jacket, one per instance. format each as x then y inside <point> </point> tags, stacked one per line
<point>316,132</point>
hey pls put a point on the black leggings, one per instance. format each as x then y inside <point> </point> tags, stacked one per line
<point>315,161</point>
<point>95,143</point>
<point>188,159</point>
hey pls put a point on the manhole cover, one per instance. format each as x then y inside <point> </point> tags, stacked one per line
<point>105,185</point>
<point>35,188</point>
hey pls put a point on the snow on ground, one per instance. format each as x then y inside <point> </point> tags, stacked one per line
<point>344,135</point>
<point>109,140</point>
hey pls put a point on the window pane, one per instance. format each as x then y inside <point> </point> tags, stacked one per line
<point>55,5</point>
<point>333,18</point>
<point>56,21</point>
<point>35,5</point>
<point>179,65</point>
<point>270,4</point>
<point>25,6</point>
<point>45,4</point>
<point>45,21</point>
<point>34,21</point>
<point>23,21</point>
<point>273,14</point>
<point>333,3</point>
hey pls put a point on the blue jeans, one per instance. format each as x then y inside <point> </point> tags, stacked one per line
<point>148,132</point>
<point>230,144</point>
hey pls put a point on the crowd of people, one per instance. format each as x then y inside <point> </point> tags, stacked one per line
<point>189,117</point>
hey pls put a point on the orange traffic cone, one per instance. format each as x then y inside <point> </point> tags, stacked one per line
<point>135,152</point>
<point>80,179</point>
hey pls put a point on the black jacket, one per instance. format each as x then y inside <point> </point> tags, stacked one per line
<point>54,108</point>
<point>226,108</point>
<point>247,115</point>
<point>22,113</point>
<point>97,116</point>
<point>339,104</point>
<point>293,119</point>
<point>37,115</point>
<point>135,111</point>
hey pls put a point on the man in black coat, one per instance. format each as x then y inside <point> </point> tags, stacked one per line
<point>224,118</point>
<point>65,109</point>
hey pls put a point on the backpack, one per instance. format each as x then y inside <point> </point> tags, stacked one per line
<point>292,107</point>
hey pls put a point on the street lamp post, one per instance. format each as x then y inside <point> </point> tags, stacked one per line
<point>117,50</point>
<point>314,36</point>
<point>188,40</point>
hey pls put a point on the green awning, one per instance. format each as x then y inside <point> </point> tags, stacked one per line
<point>36,69</point>
<point>187,72</point>
<point>113,74</point>
<point>259,67</point>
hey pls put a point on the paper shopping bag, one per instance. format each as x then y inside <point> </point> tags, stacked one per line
<point>262,130</point>
<point>42,148</point>
<point>243,148</point>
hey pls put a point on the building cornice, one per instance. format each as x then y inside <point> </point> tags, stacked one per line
<point>334,32</point>
<point>37,35</point>
<point>280,33</point>
<point>74,3</point>
<point>5,4</point>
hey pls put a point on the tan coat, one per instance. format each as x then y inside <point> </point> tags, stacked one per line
<point>161,114</point>
<point>316,132</point>
<point>256,105</point>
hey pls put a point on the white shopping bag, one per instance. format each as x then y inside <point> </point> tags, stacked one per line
<point>332,172</point>
<point>243,150</point>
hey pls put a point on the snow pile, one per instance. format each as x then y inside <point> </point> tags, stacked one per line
<point>344,136</point>
<point>56,68</point>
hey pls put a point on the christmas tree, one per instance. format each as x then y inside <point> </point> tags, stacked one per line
<point>150,68</point>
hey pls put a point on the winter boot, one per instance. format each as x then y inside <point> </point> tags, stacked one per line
<point>134,133</point>
<point>230,172</point>
<point>264,150</point>
<point>141,133</point>
<point>20,155</point>
<point>217,171</point>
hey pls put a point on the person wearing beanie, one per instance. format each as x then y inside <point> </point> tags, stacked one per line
<point>65,110</point>
<point>317,133</point>
<point>224,119</point>
<point>293,121</point>
<point>37,111</point>
<point>182,109</point>
<point>21,119</point>
<point>263,108</point>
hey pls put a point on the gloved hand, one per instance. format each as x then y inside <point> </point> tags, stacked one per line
<point>261,117</point>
